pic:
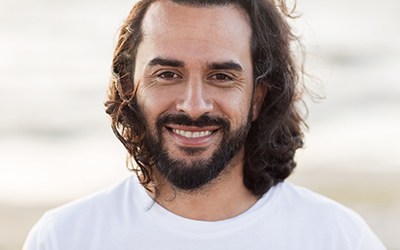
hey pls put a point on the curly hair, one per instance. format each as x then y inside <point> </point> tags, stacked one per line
<point>277,133</point>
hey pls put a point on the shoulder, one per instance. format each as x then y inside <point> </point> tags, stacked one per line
<point>308,199</point>
<point>323,217</point>
<point>103,201</point>
<point>300,200</point>
<point>94,213</point>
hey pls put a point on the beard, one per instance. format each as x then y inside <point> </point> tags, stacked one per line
<point>192,175</point>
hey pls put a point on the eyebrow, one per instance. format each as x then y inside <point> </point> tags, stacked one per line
<point>166,62</point>
<point>228,65</point>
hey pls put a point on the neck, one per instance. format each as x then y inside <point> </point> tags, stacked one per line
<point>224,198</point>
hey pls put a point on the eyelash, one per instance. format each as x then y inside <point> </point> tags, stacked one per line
<point>172,76</point>
<point>226,77</point>
<point>162,75</point>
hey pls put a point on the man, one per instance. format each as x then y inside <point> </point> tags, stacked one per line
<point>203,96</point>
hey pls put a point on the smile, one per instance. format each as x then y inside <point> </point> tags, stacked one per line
<point>191,134</point>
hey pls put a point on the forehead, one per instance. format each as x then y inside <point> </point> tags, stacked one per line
<point>224,27</point>
<point>229,17</point>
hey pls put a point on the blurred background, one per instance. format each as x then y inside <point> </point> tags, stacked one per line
<point>56,143</point>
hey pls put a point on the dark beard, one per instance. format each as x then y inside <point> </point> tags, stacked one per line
<point>191,176</point>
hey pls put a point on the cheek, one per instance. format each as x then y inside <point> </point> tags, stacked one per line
<point>154,101</point>
<point>235,106</point>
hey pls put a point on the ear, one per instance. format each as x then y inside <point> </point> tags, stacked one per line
<point>258,98</point>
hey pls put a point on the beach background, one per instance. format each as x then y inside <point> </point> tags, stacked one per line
<point>56,144</point>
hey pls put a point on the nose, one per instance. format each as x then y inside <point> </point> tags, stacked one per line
<point>195,101</point>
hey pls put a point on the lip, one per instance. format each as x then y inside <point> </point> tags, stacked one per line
<point>189,136</point>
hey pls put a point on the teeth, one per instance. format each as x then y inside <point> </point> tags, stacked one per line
<point>189,134</point>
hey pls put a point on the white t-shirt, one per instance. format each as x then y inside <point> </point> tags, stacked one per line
<point>125,217</point>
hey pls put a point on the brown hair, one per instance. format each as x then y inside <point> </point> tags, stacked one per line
<point>276,134</point>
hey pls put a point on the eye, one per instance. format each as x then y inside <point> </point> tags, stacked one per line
<point>168,75</point>
<point>221,77</point>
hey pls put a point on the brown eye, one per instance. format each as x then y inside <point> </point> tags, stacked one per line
<point>221,77</point>
<point>168,75</point>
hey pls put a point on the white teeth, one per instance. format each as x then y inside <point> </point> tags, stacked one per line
<point>189,134</point>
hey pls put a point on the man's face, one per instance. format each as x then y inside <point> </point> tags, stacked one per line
<point>195,89</point>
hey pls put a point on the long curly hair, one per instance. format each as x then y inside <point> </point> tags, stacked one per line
<point>277,133</point>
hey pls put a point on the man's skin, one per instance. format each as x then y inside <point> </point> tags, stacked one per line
<point>198,61</point>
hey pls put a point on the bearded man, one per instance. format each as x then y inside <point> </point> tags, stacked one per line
<point>204,95</point>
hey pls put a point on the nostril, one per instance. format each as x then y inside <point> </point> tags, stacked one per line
<point>195,103</point>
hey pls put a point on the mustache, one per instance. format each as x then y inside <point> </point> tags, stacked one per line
<point>202,121</point>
